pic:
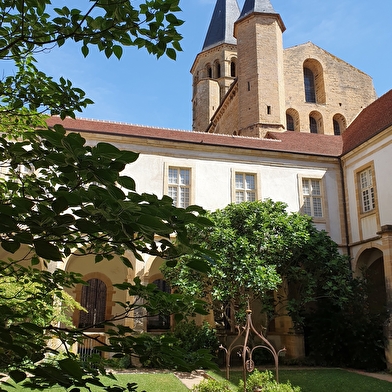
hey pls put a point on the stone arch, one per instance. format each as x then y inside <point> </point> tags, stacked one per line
<point>316,123</point>
<point>370,265</point>
<point>109,271</point>
<point>292,120</point>
<point>339,124</point>
<point>314,84</point>
<point>152,269</point>
<point>76,318</point>
<point>365,257</point>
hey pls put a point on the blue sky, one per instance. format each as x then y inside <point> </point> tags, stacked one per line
<point>139,89</point>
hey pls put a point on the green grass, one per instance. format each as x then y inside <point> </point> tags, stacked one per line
<point>322,380</point>
<point>159,382</point>
<point>310,380</point>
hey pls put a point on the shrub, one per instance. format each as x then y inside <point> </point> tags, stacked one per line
<point>349,337</point>
<point>188,347</point>
<point>192,337</point>
<point>266,382</point>
<point>211,385</point>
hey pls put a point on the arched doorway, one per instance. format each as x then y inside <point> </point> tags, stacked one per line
<point>93,299</point>
<point>371,266</point>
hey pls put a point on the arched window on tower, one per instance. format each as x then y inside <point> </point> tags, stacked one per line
<point>217,70</point>
<point>310,91</point>
<point>292,120</point>
<point>93,299</point>
<point>233,70</point>
<point>313,125</point>
<point>209,71</point>
<point>289,122</point>
<point>339,124</point>
<point>336,128</point>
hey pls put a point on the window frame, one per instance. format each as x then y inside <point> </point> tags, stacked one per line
<point>246,191</point>
<point>372,198</point>
<point>311,197</point>
<point>189,186</point>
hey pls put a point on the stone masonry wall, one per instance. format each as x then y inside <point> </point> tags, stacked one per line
<point>347,89</point>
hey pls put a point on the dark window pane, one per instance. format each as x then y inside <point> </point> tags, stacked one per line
<point>310,92</point>
<point>313,125</point>
<point>289,122</point>
<point>336,128</point>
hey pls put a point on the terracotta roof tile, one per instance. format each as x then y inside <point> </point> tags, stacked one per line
<point>295,142</point>
<point>372,120</point>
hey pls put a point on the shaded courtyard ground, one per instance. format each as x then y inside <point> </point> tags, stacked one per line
<point>328,383</point>
<point>309,379</point>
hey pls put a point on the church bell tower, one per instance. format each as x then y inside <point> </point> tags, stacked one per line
<point>259,32</point>
<point>215,67</point>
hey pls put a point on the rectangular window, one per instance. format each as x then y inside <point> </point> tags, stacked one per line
<point>367,190</point>
<point>179,184</point>
<point>245,187</point>
<point>312,197</point>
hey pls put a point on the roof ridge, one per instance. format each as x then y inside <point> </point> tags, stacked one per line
<point>126,123</point>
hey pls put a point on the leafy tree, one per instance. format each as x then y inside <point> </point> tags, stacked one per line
<point>61,197</point>
<point>260,247</point>
<point>29,27</point>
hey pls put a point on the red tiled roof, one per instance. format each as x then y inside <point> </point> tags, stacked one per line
<point>372,120</point>
<point>295,142</point>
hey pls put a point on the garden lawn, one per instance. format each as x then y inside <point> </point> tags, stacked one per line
<point>322,380</point>
<point>150,382</point>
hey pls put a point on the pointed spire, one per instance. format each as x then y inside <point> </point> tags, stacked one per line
<point>220,31</point>
<point>260,7</point>
<point>263,6</point>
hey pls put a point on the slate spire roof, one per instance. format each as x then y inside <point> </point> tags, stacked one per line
<point>263,6</point>
<point>260,7</point>
<point>221,27</point>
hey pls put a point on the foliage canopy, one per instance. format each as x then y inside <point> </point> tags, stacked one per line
<point>61,196</point>
<point>260,247</point>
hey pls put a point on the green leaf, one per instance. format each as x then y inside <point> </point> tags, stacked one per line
<point>17,375</point>
<point>171,53</point>
<point>22,204</point>
<point>118,51</point>
<point>71,367</point>
<point>60,204</point>
<point>86,226</point>
<point>127,182</point>
<point>106,150</point>
<point>47,250</point>
<point>85,50</point>
<point>10,246</point>
<point>153,223</point>
<point>199,265</point>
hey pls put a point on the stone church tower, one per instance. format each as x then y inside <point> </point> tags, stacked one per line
<point>215,68</point>
<point>245,82</point>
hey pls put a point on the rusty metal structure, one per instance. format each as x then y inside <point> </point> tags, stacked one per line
<point>246,352</point>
